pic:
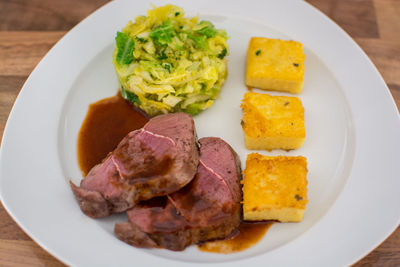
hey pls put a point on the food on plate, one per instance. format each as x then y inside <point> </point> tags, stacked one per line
<point>274,188</point>
<point>274,64</point>
<point>249,234</point>
<point>156,160</point>
<point>175,190</point>
<point>207,208</point>
<point>168,63</point>
<point>106,123</point>
<point>272,122</point>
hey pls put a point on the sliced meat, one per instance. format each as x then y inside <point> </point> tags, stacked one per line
<point>156,160</point>
<point>207,208</point>
<point>134,236</point>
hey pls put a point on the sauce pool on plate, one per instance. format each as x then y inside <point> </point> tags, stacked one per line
<point>249,235</point>
<point>106,123</point>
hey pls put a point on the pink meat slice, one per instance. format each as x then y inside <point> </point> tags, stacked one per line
<point>207,208</point>
<point>156,160</point>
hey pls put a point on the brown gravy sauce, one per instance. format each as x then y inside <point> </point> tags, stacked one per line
<point>249,235</point>
<point>106,123</point>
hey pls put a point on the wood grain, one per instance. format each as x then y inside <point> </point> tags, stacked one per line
<point>20,52</point>
<point>25,253</point>
<point>386,62</point>
<point>38,15</point>
<point>356,17</point>
<point>29,28</point>
<point>395,90</point>
<point>9,88</point>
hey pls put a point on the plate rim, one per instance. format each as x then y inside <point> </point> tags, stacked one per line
<point>76,28</point>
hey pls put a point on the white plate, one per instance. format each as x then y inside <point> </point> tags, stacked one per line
<point>352,142</point>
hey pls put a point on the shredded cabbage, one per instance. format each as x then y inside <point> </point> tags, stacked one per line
<point>168,63</point>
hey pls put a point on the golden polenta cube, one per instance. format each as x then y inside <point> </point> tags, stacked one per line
<point>272,122</point>
<point>274,188</point>
<point>274,64</point>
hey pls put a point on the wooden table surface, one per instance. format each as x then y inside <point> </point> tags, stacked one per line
<point>29,28</point>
